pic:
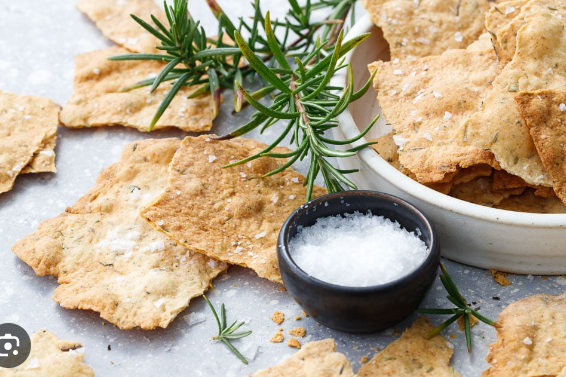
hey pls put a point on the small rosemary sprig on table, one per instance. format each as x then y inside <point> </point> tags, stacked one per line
<point>227,333</point>
<point>462,309</point>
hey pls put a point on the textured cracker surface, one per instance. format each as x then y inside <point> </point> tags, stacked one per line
<point>26,123</point>
<point>51,357</point>
<point>428,27</point>
<point>97,100</point>
<point>529,202</point>
<point>413,355</point>
<point>108,259</point>
<point>112,17</point>
<point>480,191</point>
<point>539,320</point>
<point>43,160</point>
<point>546,121</point>
<point>427,100</point>
<point>230,214</point>
<point>315,359</point>
<point>537,64</point>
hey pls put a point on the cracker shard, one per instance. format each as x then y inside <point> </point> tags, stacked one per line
<point>99,101</point>
<point>427,101</point>
<point>427,27</point>
<point>413,355</point>
<point>231,214</point>
<point>27,123</point>
<point>315,359</point>
<point>49,357</point>
<point>108,259</point>
<point>545,115</point>
<point>537,64</point>
<point>540,318</point>
<point>113,18</point>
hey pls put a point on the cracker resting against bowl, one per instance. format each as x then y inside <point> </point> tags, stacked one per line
<point>108,259</point>
<point>50,357</point>
<point>231,214</point>
<point>28,129</point>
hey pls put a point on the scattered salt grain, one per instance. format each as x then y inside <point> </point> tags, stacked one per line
<point>291,197</point>
<point>437,94</point>
<point>458,37</point>
<point>260,235</point>
<point>96,71</point>
<point>527,341</point>
<point>357,250</point>
<point>211,158</point>
<point>562,107</point>
<point>33,364</point>
<point>447,115</point>
<point>398,72</point>
<point>159,302</point>
<point>509,9</point>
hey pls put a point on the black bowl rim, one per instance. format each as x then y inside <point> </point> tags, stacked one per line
<point>283,244</point>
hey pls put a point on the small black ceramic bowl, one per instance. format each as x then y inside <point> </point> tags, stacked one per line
<point>358,309</point>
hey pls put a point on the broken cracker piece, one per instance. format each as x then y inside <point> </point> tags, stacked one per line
<point>278,317</point>
<point>500,277</point>
<point>26,123</point>
<point>531,338</point>
<point>277,338</point>
<point>427,100</point>
<point>99,99</point>
<point>294,343</point>
<point>43,161</point>
<point>413,355</point>
<point>462,324</point>
<point>298,332</point>
<point>50,357</point>
<point>315,359</point>
<point>113,19</point>
<point>231,214</point>
<point>108,259</point>
<point>529,202</point>
<point>480,191</point>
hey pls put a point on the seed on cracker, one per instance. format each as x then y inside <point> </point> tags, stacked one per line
<point>28,127</point>
<point>108,259</point>
<point>277,338</point>
<point>231,214</point>
<point>278,317</point>
<point>298,331</point>
<point>100,99</point>
<point>413,349</point>
<point>294,343</point>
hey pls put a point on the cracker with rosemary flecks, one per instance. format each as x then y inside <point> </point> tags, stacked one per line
<point>427,100</point>
<point>315,359</point>
<point>416,29</point>
<point>49,357</point>
<point>99,101</point>
<point>231,214</point>
<point>113,18</point>
<point>26,124</point>
<point>413,355</point>
<point>531,338</point>
<point>108,259</point>
<point>538,63</point>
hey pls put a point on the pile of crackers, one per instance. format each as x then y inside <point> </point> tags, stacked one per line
<point>475,94</point>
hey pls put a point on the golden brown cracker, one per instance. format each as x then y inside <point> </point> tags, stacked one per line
<point>416,29</point>
<point>113,18</point>
<point>500,277</point>
<point>545,115</point>
<point>231,214</point>
<point>537,64</point>
<point>480,191</point>
<point>413,355</point>
<point>277,338</point>
<point>531,338</point>
<point>528,201</point>
<point>50,357</point>
<point>99,101</point>
<point>386,148</point>
<point>25,123</point>
<point>427,100</point>
<point>43,160</point>
<point>108,259</point>
<point>298,332</point>
<point>294,343</point>
<point>278,317</point>
<point>315,359</point>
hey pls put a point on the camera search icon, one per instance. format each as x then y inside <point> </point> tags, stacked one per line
<point>15,345</point>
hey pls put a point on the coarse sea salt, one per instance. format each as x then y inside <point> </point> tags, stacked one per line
<point>357,250</point>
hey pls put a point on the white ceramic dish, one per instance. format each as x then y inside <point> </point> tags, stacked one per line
<point>469,233</point>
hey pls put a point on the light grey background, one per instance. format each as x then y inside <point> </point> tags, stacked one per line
<point>38,40</point>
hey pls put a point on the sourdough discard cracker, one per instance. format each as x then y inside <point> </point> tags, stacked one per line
<point>51,357</point>
<point>26,122</point>
<point>43,160</point>
<point>231,214</point>
<point>413,355</point>
<point>427,100</point>
<point>531,338</point>
<point>108,259</point>
<point>427,27</point>
<point>315,359</point>
<point>385,147</point>
<point>545,115</point>
<point>113,18</point>
<point>480,191</point>
<point>529,202</point>
<point>99,101</point>
<point>538,63</point>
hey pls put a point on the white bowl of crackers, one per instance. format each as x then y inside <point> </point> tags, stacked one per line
<point>472,127</point>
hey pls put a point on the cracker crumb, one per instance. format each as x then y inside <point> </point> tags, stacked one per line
<point>298,318</point>
<point>277,338</point>
<point>278,317</point>
<point>294,343</point>
<point>305,314</point>
<point>500,277</point>
<point>364,359</point>
<point>298,331</point>
<point>462,323</point>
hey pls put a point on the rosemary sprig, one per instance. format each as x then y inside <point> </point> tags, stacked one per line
<point>227,333</point>
<point>462,309</point>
